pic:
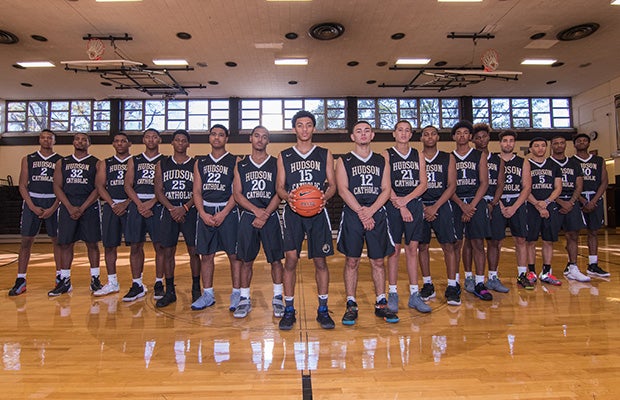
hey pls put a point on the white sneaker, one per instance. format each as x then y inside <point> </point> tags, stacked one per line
<point>243,308</point>
<point>572,272</point>
<point>108,288</point>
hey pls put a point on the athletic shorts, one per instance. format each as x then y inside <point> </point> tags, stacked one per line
<point>31,223</point>
<point>249,238</point>
<point>412,231</point>
<point>547,228</point>
<point>169,228</point>
<point>211,239</point>
<point>317,228</point>
<point>112,227</point>
<point>87,228</point>
<point>443,225</point>
<point>517,223</point>
<point>595,219</point>
<point>479,227</point>
<point>138,226</point>
<point>351,235</point>
<point>573,221</point>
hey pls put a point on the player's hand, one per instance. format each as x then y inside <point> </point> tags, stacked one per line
<point>261,213</point>
<point>468,210</point>
<point>588,207</point>
<point>507,212</point>
<point>46,213</point>
<point>38,211</point>
<point>207,219</point>
<point>465,218</point>
<point>406,214</point>
<point>258,223</point>
<point>399,202</point>
<point>364,214</point>
<point>430,213</point>
<point>544,213</point>
<point>120,208</point>
<point>218,218</point>
<point>369,224</point>
<point>75,212</point>
<point>178,213</point>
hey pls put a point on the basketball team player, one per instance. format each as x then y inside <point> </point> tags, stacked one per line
<point>306,163</point>
<point>254,188</point>
<point>143,215</point>
<point>405,213</point>
<point>218,216</point>
<point>174,182</point>
<point>110,182</point>
<point>542,210</point>
<point>78,215</point>
<point>471,217</point>
<point>571,219</point>
<point>36,186</point>
<point>438,215</point>
<point>595,183</point>
<point>363,179</point>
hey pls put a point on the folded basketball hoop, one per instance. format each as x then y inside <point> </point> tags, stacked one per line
<point>95,49</point>
<point>490,60</point>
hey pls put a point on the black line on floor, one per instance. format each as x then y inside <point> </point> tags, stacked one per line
<point>306,386</point>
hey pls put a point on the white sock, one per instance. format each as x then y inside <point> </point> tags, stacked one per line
<point>413,289</point>
<point>21,276</point>
<point>236,290</point>
<point>427,279</point>
<point>278,289</point>
<point>451,282</point>
<point>245,292</point>
<point>112,279</point>
<point>95,271</point>
<point>351,298</point>
<point>138,281</point>
<point>492,274</point>
<point>392,289</point>
<point>381,297</point>
<point>458,277</point>
<point>479,279</point>
<point>208,290</point>
<point>65,273</point>
<point>592,259</point>
<point>159,280</point>
<point>521,270</point>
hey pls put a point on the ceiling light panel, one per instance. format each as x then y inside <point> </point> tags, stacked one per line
<point>36,64</point>
<point>291,61</point>
<point>538,61</point>
<point>169,62</point>
<point>413,61</point>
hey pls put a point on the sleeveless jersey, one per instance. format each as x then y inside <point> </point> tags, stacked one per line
<point>592,168</point>
<point>467,173</point>
<point>364,176</point>
<point>437,175</point>
<point>78,177</point>
<point>144,175</point>
<point>514,171</point>
<point>115,170</point>
<point>41,173</point>
<point>301,169</point>
<point>258,181</point>
<point>570,170</point>
<point>405,171</point>
<point>217,177</point>
<point>177,179</point>
<point>543,177</point>
<point>493,162</point>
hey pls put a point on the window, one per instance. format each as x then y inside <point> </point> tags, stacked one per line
<point>522,113</point>
<point>384,113</point>
<point>58,115</point>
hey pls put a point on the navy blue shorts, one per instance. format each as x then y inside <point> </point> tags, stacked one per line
<point>443,225</point>
<point>211,239</point>
<point>595,219</point>
<point>138,226</point>
<point>517,223</point>
<point>478,227</point>
<point>31,223</point>
<point>412,231</point>
<point>169,228</point>
<point>112,227</point>
<point>317,228</point>
<point>249,238</point>
<point>352,235</point>
<point>87,228</point>
<point>547,228</point>
<point>573,221</point>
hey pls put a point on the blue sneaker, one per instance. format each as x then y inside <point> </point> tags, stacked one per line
<point>350,316</point>
<point>324,319</point>
<point>393,302</point>
<point>204,301</point>
<point>235,298</point>
<point>415,301</point>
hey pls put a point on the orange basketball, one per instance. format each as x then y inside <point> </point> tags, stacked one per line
<point>307,200</point>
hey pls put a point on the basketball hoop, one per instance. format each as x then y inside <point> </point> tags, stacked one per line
<point>95,49</point>
<point>490,60</point>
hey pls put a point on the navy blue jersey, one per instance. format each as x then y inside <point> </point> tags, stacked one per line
<point>177,179</point>
<point>493,162</point>
<point>365,175</point>
<point>592,168</point>
<point>437,175</point>
<point>217,177</point>
<point>513,184</point>
<point>570,170</point>
<point>41,173</point>
<point>258,181</point>
<point>115,170</point>
<point>467,173</point>
<point>405,171</point>
<point>78,177</point>
<point>302,169</point>
<point>543,178</point>
<point>144,175</point>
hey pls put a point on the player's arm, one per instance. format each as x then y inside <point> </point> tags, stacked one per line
<point>100,183</point>
<point>603,186</point>
<point>240,198</point>
<point>483,178</point>
<point>342,181</point>
<point>386,190</point>
<point>129,182</point>
<point>331,178</point>
<point>230,205</point>
<point>197,194</point>
<point>501,181</point>
<point>450,187</point>
<point>526,185</point>
<point>73,211</point>
<point>281,180</point>
<point>23,188</point>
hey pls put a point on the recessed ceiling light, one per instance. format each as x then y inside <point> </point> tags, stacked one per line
<point>291,61</point>
<point>538,35</point>
<point>39,38</point>
<point>105,83</point>
<point>161,61</point>
<point>353,63</point>
<point>413,61</point>
<point>213,83</point>
<point>551,82</point>
<point>202,64</point>
<point>584,65</point>
<point>539,61</point>
<point>382,63</point>
<point>184,35</point>
<point>397,36</point>
<point>441,63</point>
<point>371,82</point>
<point>36,64</point>
<point>292,82</point>
<point>231,64</point>
<point>26,84</point>
<point>291,36</point>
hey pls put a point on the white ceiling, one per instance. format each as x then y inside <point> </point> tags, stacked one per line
<point>228,30</point>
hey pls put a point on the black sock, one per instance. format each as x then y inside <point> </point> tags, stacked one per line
<point>322,302</point>
<point>196,281</point>
<point>532,267</point>
<point>546,268</point>
<point>170,285</point>
<point>289,303</point>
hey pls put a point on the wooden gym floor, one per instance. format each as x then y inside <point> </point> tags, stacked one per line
<point>552,342</point>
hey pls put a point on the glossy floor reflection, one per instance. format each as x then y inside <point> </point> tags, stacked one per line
<point>552,342</point>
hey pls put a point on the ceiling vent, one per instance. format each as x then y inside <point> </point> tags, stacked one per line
<point>8,38</point>
<point>326,31</point>
<point>578,32</point>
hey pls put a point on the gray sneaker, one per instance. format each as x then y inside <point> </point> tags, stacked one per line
<point>204,301</point>
<point>470,284</point>
<point>415,301</point>
<point>235,297</point>
<point>243,308</point>
<point>495,284</point>
<point>278,306</point>
<point>393,302</point>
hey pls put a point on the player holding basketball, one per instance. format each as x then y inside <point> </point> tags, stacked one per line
<point>254,188</point>
<point>36,186</point>
<point>363,179</point>
<point>306,163</point>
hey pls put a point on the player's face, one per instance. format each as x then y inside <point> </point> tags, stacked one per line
<point>558,146</point>
<point>507,144</point>
<point>259,139</point>
<point>81,142</point>
<point>402,133</point>
<point>538,149</point>
<point>362,134</point>
<point>582,144</point>
<point>180,144</point>
<point>462,136</point>
<point>121,144</point>
<point>430,137</point>
<point>151,140</point>
<point>481,139</point>
<point>218,138</point>
<point>304,128</point>
<point>47,140</point>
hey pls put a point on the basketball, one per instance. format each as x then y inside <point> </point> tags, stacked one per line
<point>307,200</point>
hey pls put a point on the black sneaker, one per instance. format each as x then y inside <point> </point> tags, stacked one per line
<point>169,298</point>
<point>381,311</point>
<point>158,290</point>
<point>19,287</point>
<point>323,318</point>
<point>594,269</point>
<point>350,316</point>
<point>482,292</point>
<point>288,320</point>
<point>135,292</point>
<point>196,293</point>
<point>524,282</point>
<point>63,286</point>
<point>427,292</point>
<point>458,288</point>
<point>453,296</point>
<point>95,283</point>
